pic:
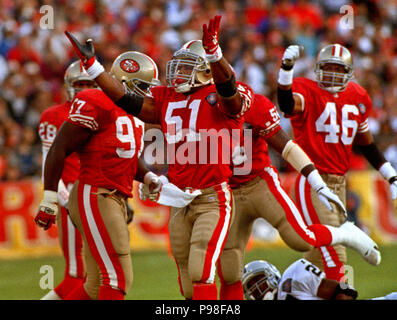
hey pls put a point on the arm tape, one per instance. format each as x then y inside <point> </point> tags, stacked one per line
<point>130,103</point>
<point>227,89</point>
<point>286,100</point>
<point>294,154</point>
<point>373,155</point>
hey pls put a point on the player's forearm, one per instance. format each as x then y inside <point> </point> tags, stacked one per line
<point>142,170</point>
<point>226,87</point>
<point>285,99</point>
<point>291,152</point>
<point>53,168</point>
<point>109,85</point>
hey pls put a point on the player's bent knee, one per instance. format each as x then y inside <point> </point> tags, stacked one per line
<point>230,264</point>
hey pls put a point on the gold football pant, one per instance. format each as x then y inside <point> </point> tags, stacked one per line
<point>262,197</point>
<point>197,236</point>
<point>100,215</point>
<point>329,258</point>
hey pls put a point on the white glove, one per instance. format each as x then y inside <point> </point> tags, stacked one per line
<point>151,186</point>
<point>389,173</point>
<point>291,54</point>
<point>48,210</point>
<point>324,193</point>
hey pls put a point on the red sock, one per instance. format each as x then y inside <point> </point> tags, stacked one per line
<point>108,293</point>
<point>232,291</point>
<point>322,233</point>
<point>205,291</point>
<point>67,286</point>
<point>78,293</point>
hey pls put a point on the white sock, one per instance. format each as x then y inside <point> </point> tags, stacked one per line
<point>51,296</point>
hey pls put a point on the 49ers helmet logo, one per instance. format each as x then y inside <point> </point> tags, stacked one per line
<point>129,65</point>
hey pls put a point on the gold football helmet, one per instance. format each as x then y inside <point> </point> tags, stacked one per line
<point>75,72</point>
<point>136,71</point>
<point>260,280</point>
<point>188,68</point>
<point>329,80</point>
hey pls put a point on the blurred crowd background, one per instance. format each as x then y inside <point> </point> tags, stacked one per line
<point>254,35</point>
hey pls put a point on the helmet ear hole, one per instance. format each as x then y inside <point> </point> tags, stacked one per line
<point>207,71</point>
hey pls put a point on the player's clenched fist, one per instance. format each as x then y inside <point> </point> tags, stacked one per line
<point>86,53</point>
<point>48,210</point>
<point>152,186</point>
<point>291,54</point>
<point>211,39</point>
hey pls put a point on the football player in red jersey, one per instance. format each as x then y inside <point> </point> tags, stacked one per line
<point>329,115</point>
<point>260,194</point>
<point>202,95</point>
<point>76,79</point>
<point>108,142</point>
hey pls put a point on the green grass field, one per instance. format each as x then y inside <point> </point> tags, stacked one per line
<point>155,274</point>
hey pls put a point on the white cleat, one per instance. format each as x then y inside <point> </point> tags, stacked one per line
<point>361,242</point>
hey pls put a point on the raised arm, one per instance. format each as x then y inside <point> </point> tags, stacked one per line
<point>288,102</point>
<point>143,108</point>
<point>222,72</point>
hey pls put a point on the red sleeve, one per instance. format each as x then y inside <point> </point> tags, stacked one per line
<point>302,87</point>
<point>365,107</point>
<point>263,116</point>
<point>84,112</point>
<point>247,98</point>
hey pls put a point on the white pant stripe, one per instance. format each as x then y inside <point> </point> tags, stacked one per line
<point>72,248</point>
<point>302,182</point>
<point>290,203</point>
<point>223,233</point>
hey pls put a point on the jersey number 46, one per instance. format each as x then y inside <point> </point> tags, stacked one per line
<point>328,122</point>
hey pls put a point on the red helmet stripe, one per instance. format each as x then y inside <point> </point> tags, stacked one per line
<point>337,50</point>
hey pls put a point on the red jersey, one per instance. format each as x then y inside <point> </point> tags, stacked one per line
<point>200,136</point>
<point>264,121</point>
<point>109,159</point>
<point>329,123</point>
<point>50,121</point>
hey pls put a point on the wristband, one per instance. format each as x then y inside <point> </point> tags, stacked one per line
<point>295,156</point>
<point>95,70</point>
<point>285,77</point>
<point>387,171</point>
<point>50,196</point>
<point>315,180</point>
<point>228,88</point>
<point>214,57</point>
